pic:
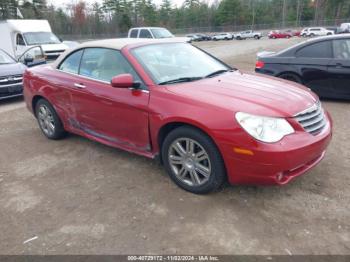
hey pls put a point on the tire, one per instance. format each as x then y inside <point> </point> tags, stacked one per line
<point>49,122</point>
<point>184,169</point>
<point>291,77</point>
<point>239,38</point>
<point>256,37</point>
<point>312,35</point>
<point>274,37</point>
<point>329,33</point>
<point>287,36</point>
<point>226,38</point>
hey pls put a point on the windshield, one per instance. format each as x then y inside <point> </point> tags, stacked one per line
<point>161,33</point>
<point>41,38</point>
<point>168,62</point>
<point>5,58</point>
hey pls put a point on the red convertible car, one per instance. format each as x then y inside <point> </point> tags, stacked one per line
<point>206,121</point>
<point>279,34</point>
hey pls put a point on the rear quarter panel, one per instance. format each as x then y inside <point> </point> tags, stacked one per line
<point>44,81</point>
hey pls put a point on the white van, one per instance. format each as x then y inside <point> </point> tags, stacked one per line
<point>17,36</point>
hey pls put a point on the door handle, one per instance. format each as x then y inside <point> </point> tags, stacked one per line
<point>80,86</point>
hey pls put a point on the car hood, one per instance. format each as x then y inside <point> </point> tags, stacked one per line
<point>251,93</point>
<point>12,69</point>
<point>54,47</point>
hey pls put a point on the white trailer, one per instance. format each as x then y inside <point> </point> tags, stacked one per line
<point>17,36</point>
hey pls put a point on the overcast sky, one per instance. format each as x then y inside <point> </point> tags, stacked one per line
<point>63,3</point>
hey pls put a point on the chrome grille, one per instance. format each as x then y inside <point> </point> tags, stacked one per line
<point>312,119</point>
<point>10,80</point>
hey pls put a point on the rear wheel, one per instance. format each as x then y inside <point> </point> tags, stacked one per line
<point>193,161</point>
<point>49,122</point>
<point>312,35</point>
<point>291,77</point>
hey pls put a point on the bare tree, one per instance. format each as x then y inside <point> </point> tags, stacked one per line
<point>284,10</point>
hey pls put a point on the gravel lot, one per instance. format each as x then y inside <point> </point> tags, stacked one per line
<point>76,196</point>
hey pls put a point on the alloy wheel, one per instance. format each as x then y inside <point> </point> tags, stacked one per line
<point>189,161</point>
<point>46,120</point>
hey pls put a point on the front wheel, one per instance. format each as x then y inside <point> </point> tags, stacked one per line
<point>257,37</point>
<point>193,161</point>
<point>49,122</point>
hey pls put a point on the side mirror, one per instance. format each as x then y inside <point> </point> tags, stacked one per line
<point>28,59</point>
<point>124,81</point>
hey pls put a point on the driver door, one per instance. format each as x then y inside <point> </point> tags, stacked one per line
<point>33,56</point>
<point>20,45</point>
<point>117,116</point>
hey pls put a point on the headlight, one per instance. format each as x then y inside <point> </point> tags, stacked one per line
<point>266,129</point>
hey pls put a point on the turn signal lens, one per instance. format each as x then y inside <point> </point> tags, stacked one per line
<point>259,64</point>
<point>243,151</point>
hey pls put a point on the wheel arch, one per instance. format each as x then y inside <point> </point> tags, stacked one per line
<point>39,96</point>
<point>35,100</point>
<point>290,73</point>
<point>165,129</point>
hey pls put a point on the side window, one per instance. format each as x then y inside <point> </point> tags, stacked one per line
<point>20,40</point>
<point>317,50</point>
<point>103,64</point>
<point>71,63</point>
<point>133,33</point>
<point>341,49</point>
<point>145,33</point>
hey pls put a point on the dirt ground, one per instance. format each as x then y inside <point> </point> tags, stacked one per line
<point>76,196</point>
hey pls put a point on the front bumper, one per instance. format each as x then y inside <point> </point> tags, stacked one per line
<point>10,91</point>
<point>278,163</point>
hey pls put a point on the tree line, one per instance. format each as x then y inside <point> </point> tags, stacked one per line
<point>117,16</point>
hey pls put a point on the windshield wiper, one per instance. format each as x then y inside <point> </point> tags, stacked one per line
<point>218,72</point>
<point>181,80</point>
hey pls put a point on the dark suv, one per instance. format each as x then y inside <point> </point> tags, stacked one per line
<point>11,73</point>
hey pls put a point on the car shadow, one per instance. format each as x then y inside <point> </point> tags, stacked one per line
<point>11,100</point>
